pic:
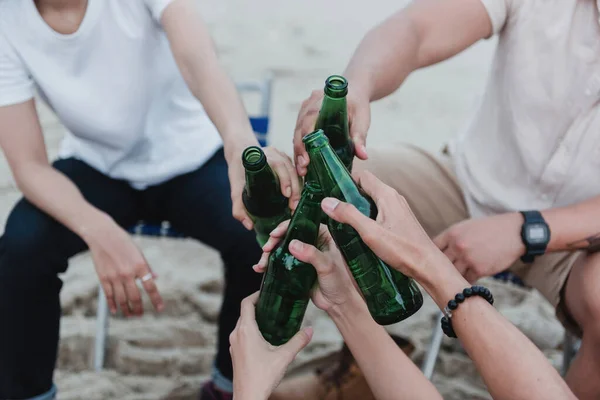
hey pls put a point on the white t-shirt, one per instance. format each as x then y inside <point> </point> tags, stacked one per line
<point>114,84</point>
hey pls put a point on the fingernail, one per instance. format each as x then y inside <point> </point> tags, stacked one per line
<point>247,224</point>
<point>296,203</point>
<point>288,191</point>
<point>161,307</point>
<point>329,204</point>
<point>296,245</point>
<point>300,160</point>
<point>309,331</point>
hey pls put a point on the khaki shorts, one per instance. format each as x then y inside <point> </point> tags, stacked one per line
<point>431,189</point>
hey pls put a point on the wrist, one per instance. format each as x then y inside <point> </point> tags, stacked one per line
<point>359,85</point>
<point>249,392</point>
<point>234,145</point>
<point>442,280</point>
<point>354,306</point>
<point>94,226</point>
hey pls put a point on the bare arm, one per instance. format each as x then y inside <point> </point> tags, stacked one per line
<point>575,227</point>
<point>422,34</point>
<point>196,57</point>
<point>499,350</point>
<point>116,258</point>
<point>23,144</point>
<point>390,373</point>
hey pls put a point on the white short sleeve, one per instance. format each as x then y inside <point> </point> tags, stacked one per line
<point>498,12</point>
<point>157,7</point>
<point>16,86</point>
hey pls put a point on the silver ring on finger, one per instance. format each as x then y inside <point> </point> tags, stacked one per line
<point>146,277</point>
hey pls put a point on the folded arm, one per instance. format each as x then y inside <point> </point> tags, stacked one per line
<point>574,227</point>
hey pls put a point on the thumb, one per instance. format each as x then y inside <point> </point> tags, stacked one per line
<point>347,214</point>
<point>298,342</point>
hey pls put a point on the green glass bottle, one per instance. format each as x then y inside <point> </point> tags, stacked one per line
<point>262,197</point>
<point>390,295</point>
<point>333,119</point>
<point>287,282</point>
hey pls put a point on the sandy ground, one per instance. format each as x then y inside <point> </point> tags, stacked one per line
<point>300,43</point>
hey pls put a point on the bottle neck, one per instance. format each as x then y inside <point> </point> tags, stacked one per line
<point>261,182</point>
<point>305,222</point>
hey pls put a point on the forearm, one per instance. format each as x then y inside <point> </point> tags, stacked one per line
<point>219,96</point>
<point>422,34</point>
<point>499,350</point>
<point>389,372</point>
<point>56,195</point>
<point>384,58</point>
<point>574,227</point>
<point>197,60</point>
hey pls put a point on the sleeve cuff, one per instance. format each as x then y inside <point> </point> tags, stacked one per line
<point>16,96</point>
<point>158,7</point>
<point>497,11</point>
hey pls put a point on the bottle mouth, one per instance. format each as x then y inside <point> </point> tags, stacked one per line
<point>336,86</point>
<point>254,158</point>
<point>317,136</point>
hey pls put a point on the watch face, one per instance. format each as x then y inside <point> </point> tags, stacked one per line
<point>537,233</point>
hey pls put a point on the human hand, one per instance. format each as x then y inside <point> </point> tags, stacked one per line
<point>395,236</point>
<point>359,119</point>
<point>119,263</point>
<point>335,281</point>
<point>282,166</point>
<point>483,247</point>
<point>258,367</point>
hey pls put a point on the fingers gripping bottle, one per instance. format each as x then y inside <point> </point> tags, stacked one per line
<point>390,295</point>
<point>287,282</point>
<point>262,197</point>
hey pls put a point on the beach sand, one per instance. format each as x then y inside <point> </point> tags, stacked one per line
<point>168,356</point>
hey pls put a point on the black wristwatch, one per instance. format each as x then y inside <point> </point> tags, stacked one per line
<point>535,234</point>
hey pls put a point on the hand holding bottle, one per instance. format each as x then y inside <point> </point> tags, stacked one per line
<point>395,236</point>
<point>359,119</point>
<point>335,282</point>
<point>258,366</point>
<point>281,164</point>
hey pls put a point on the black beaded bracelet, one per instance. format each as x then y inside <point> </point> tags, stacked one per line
<point>459,298</point>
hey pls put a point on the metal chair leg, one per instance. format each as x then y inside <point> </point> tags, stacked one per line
<point>433,350</point>
<point>101,330</point>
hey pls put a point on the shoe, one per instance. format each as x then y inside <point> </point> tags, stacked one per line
<point>341,380</point>
<point>210,392</point>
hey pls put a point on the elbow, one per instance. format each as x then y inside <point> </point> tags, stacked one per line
<point>24,171</point>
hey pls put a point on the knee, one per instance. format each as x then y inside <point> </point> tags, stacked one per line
<point>589,310</point>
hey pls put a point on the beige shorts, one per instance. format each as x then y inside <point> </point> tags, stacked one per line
<point>431,189</point>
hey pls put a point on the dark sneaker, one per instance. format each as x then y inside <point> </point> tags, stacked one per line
<point>341,380</point>
<point>210,392</point>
